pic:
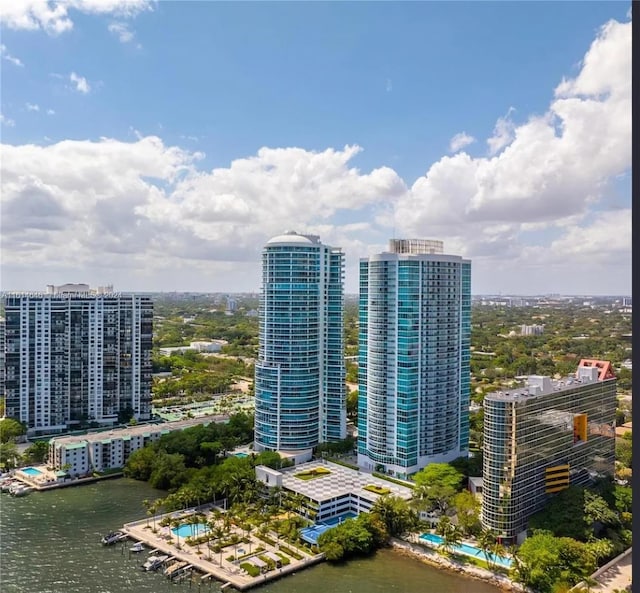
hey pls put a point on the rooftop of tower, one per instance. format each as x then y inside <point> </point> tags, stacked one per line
<point>539,385</point>
<point>416,246</point>
<point>290,237</point>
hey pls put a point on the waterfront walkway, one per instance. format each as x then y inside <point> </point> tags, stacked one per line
<point>615,575</point>
<point>216,564</point>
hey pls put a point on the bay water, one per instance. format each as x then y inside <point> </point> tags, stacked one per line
<point>50,543</point>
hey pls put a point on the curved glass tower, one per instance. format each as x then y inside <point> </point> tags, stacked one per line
<point>415,328</point>
<point>300,375</point>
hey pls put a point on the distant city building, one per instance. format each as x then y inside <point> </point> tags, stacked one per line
<point>300,396</point>
<point>78,289</point>
<point>232,305</point>
<point>531,330</point>
<point>74,358</point>
<point>414,377</point>
<point>200,346</point>
<point>543,437</point>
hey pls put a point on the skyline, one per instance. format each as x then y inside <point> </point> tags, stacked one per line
<point>154,166</point>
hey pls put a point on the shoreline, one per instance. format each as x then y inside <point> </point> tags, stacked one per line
<point>436,560</point>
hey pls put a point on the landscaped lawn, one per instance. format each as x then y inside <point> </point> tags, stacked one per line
<point>310,474</point>
<point>376,489</point>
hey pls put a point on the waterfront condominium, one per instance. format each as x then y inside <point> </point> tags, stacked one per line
<point>300,375</point>
<point>542,437</point>
<point>415,308</point>
<point>77,358</point>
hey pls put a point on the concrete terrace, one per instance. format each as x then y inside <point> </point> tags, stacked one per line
<point>215,564</point>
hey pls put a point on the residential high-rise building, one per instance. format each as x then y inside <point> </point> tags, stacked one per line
<point>414,377</point>
<point>300,373</point>
<point>2,356</point>
<point>542,437</point>
<point>76,358</point>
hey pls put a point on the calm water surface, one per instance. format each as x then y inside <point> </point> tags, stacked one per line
<point>50,543</point>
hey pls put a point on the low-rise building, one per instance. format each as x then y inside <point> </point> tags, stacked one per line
<point>109,450</point>
<point>335,491</point>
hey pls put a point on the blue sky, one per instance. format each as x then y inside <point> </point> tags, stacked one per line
<point>216,82</point>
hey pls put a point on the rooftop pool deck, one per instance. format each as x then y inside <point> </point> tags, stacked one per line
<point>31,471</point>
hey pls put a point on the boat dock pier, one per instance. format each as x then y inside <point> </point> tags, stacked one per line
<point>218,566</point>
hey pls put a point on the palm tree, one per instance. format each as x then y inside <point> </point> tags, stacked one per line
<point>248,528</point>
<point>146,503</point>
<point>486,541</point>
<point>193,520</point>
<point>157,504</point>
<point>499,551</point>
<point>220,533</point>
<point>451,538</point>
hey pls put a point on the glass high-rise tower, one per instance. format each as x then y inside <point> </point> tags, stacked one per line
<point>414,377</point>
<point>300,374</point>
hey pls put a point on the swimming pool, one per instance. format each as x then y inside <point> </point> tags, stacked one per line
<point>311,534</point>
<point>467,550</point>
<point>189,530</point>
<point>31,471</point>
<point>241,455</point>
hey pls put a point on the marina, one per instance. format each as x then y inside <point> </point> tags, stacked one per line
<point>244,562</point>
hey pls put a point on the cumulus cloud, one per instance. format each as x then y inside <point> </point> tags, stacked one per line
<point>459,141</point>
<point>32,106</point>
<point>50,112</point>
<point>148,206</point>
<point>80,83</point>
<point>7,56</point>
<point>122,31</point>
<point>551,168</point>
<point>53,16</point>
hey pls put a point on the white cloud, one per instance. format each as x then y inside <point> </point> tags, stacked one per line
<point>551,169</point>
<point>80,82</point>
<point>122,31</point>
<point>6,121</point>
<point>53,16</point>
<point>460,141</point>
<point>145,206</point>
<point>7,56</point>
<point>503,133</point>
<point>32,106</point>
<point>50,112</point>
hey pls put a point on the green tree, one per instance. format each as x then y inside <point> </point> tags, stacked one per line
<point>395,513</point>
<point>544,560</point>
<point>352,405</point>
<point>467,508</point>
<point>168,471</point>
<point>37,452</point>
<point>624,449</point>
<point>437,484</point>
<point>10,429</point>
<point>8,455</point>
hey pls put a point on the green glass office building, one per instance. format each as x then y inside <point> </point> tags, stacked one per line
<point>541,438</point>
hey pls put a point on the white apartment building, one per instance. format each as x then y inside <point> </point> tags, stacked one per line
<point>109,450</point>
<point>75,358</point>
